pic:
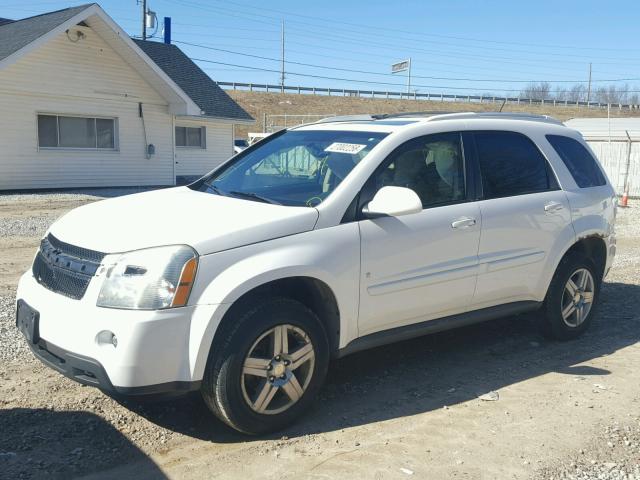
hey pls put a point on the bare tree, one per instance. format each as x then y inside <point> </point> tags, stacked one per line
<point>537,91</point>
<point>612,94</point>
<point>561,93</point>
<point>577,93</point>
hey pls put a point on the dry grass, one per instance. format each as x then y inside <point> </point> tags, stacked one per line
<point>258,103</point>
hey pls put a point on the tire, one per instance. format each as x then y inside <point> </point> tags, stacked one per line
<point>234,387</point>
<point>553,323</point>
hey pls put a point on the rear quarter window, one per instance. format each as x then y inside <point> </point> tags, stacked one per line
<point>583,167</point>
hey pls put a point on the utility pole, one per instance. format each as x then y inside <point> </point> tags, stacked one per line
<point>409,79</point>
<point>282,65</point>
<point>589,87</point>
<point>144,19</point>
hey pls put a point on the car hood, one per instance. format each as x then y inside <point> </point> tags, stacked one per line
<point>207,222</point>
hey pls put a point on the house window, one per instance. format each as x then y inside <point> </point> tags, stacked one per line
<point>58,131</point>
<point>191,137</point>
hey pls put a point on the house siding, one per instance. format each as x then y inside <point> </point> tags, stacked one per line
<point>83,78</point>
<point>198,161</point>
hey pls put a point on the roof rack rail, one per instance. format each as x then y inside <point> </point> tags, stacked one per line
<point>427,113</point>
<point>346,118</point>
<point>431,116</point>
<point>497,115</point>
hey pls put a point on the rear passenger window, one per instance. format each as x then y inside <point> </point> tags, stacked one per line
<point>579,161</point>
<point>510,165</point>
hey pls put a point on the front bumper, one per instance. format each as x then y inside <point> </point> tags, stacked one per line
<point>89,371</point>
<point>156,351</point>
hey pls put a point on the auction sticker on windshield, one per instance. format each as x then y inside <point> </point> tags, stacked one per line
<point>351,148</point>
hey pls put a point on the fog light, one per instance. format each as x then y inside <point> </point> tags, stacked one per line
<point>106,337</point>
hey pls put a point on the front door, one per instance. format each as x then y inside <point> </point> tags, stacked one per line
<point>421,266</point>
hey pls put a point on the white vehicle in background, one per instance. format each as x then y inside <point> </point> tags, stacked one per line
<point>239,145</point>
<point>256,137</point>
<point>317,242</point>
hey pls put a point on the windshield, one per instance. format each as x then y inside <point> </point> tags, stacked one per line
<point>294,168</point>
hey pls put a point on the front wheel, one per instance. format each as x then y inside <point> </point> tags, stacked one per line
<point>268,366</point>
<point>571,299</point>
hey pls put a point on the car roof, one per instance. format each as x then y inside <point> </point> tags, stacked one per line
<point>394,122</point>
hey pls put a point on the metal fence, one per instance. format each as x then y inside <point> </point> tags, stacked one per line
<point>621,161</point>
<point>273,123</point>
<point>443,97</point>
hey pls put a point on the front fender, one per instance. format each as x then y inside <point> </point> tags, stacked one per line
<point>331,255</point>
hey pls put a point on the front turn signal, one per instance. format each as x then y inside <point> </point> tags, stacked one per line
<point>187,277</point>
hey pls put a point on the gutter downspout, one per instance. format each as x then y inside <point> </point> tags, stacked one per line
<point>144,131</point>
<point>173,147</point>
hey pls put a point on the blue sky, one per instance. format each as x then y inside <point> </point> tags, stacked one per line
<point>456,46</point>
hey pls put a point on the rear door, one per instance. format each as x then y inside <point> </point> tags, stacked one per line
<point>525,219</point>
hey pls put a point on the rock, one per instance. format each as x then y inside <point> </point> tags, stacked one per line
<point>489,397</point>
<point>406,471</point>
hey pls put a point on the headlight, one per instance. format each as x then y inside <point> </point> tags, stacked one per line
<point>149,279</point>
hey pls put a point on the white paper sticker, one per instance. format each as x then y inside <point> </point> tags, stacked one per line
<point>351,148</point>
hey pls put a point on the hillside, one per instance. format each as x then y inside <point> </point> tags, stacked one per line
<point>259,103</point>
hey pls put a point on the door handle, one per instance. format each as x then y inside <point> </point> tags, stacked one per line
<point>463,222</point>
<point>553,207</point>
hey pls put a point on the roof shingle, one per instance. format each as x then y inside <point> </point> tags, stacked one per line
<point>212,100</point>
<point>205,93</point>
<point>17,34</point>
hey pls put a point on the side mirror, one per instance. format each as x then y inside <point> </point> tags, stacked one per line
<point>393,202</point>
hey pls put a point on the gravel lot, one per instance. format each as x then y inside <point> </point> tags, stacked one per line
<point>562,410</point>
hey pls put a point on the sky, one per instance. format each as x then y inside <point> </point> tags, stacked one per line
<point>465,47</point>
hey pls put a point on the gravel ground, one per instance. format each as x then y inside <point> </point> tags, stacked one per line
<point>29,227</point>
<point>13,346</point>
<point>560,413</point>
<point>614,455</point>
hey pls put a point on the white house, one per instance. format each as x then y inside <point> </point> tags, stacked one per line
<point>616,142</point>
<point>84,105</point>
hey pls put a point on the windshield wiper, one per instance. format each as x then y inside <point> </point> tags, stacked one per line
<point>216,190</point>
<point>253,196</point>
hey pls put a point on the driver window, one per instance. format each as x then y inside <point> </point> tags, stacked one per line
<point>432,166</point>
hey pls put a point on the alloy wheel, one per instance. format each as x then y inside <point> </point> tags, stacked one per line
<point>577,297</point>
<point>277,369</point>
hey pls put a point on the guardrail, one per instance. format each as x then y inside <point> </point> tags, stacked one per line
<point>347,92</point>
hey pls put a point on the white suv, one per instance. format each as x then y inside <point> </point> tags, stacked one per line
<point>317,242</point>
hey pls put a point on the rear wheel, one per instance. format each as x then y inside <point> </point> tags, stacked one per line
<point>571,299</point>
<point>268,366</point>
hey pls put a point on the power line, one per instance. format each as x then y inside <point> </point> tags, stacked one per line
<point>364,81</point>
<point>388,74</point>
<point>455,53</point>
<point>332,23</point>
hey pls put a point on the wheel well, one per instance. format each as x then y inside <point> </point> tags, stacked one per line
<point>594,248</point>
<point>311,292</point>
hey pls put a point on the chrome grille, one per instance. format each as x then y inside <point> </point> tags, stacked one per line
<point>64,268</point>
